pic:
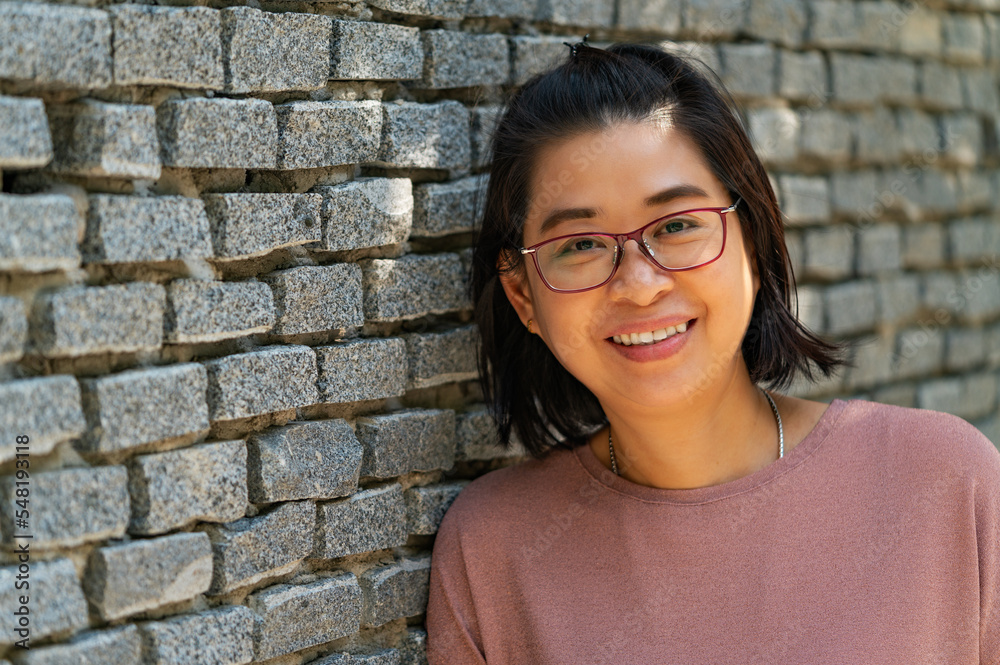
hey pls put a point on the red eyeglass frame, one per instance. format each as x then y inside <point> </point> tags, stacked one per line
<point>622,238</point>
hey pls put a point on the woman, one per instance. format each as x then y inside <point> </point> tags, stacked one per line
<point>632,289</point>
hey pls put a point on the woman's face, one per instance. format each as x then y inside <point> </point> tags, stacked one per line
<point>613,172</point>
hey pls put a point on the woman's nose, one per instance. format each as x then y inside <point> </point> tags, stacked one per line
<point>637,277</point>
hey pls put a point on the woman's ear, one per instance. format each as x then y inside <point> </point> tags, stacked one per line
<point>515,285</point>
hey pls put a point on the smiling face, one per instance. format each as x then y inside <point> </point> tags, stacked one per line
<point>616,173</point>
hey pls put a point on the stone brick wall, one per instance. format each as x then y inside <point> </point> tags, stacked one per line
<point>234,339</point>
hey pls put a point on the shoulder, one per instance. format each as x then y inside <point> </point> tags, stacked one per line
<point>922,436</point>
<point>508,497</point>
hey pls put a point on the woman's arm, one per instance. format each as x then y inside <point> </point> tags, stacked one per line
<point>988,539</point>
<point>453,636</point>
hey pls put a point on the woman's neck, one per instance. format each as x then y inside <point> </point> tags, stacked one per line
<point>716,438</point>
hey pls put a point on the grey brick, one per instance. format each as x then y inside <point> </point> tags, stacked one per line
<point>940,86</point>
<point>879,249</point>
<point>965,348</point>
<point>127,229</point>
<point>809,301</point>
<point>396,444</point>
<point>141,575</point>
<point>395,590</point>
<point>317,134</point>
<point>802,76</point>
<point>438,9</point>
<point>71,506</point>
<point>856,195</point>
<point>375,51</point>
<point>218,133</point>
<point>249,225</point>
<point>992,25</point>
<point>935,192</point>
<point>979,293</point>
<point>274,378</point>
<point>805,199</point>
<point>708,20</point>
<point>966,398</point>
<point>919,352</point>
<point>268,52</point>
<point>221,635</point>
<point>780,21</point>
<point>116,646</point>
<point>208,311</point>
<point>940,292</point>
<point>96,139</point>
<point>976,190</point>
<point>289,620</point>
<point>316,459</point>
<point>316,298</point>
<point>532,55</point>
<point>55,46</point>
<point>879,23</point>
<point>502,8</point>
<point>835,24</point>
<point>425,135</point>
<point>484,119</point>
<point>174,46</point>
<point>980,87</point>
<point>443,208</point>
<point>973,240</point>
<point>964,38</point>
<point>13,329</point>
<point>596,13</point>
<point>829,252</point>
<point>456,59</point>
<point>372,519</point>
<point>441,357</point>
<point>413,286</point>
<point>254,548</point>
<point>897,81</point>
<point>878,140</point>
<point>917,133</point>
<point>749,70</point>
<point>25,142</point>
<point>477,437</point>
<point>56,601</point>
<point>775,134</point>
<point>83,320</point>
<point>963,138</point>
<point>855,78</point>
<point>898,298</point>
<point>413,648</point>
<point>367,212</point>
<point>345,370</point>
<point>39,233</point>
<point>426,505</point>
<point>872,364</point>
<point>46,409</point>
<point>920,33</point>
<point>899,394</point>
<point>379,657</point>
<point>850,307</point>
<point>206,482</point>
<point>663,16</point>
<point>825,135</point>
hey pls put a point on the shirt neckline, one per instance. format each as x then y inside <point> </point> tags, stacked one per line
<point>593,466</point>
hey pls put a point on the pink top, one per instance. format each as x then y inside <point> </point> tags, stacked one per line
<point>875,540</point>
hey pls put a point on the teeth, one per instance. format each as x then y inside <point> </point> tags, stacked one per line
<point>628,339</point>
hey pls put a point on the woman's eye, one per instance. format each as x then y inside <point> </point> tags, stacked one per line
<point>673,226</point>
<point>581,245</point>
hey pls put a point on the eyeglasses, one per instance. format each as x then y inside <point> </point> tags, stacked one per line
<point>679,241</point>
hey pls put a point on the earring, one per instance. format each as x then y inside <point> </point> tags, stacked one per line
<point>530,331</point>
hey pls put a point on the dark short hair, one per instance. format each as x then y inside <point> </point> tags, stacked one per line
<point>525,387</point>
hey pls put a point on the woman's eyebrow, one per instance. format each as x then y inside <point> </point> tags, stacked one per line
<point>556,217</point>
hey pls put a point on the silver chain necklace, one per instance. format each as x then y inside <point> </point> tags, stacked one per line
<point>777,416</point>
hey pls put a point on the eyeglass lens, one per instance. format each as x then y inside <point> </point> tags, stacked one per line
<point>582,261</point>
